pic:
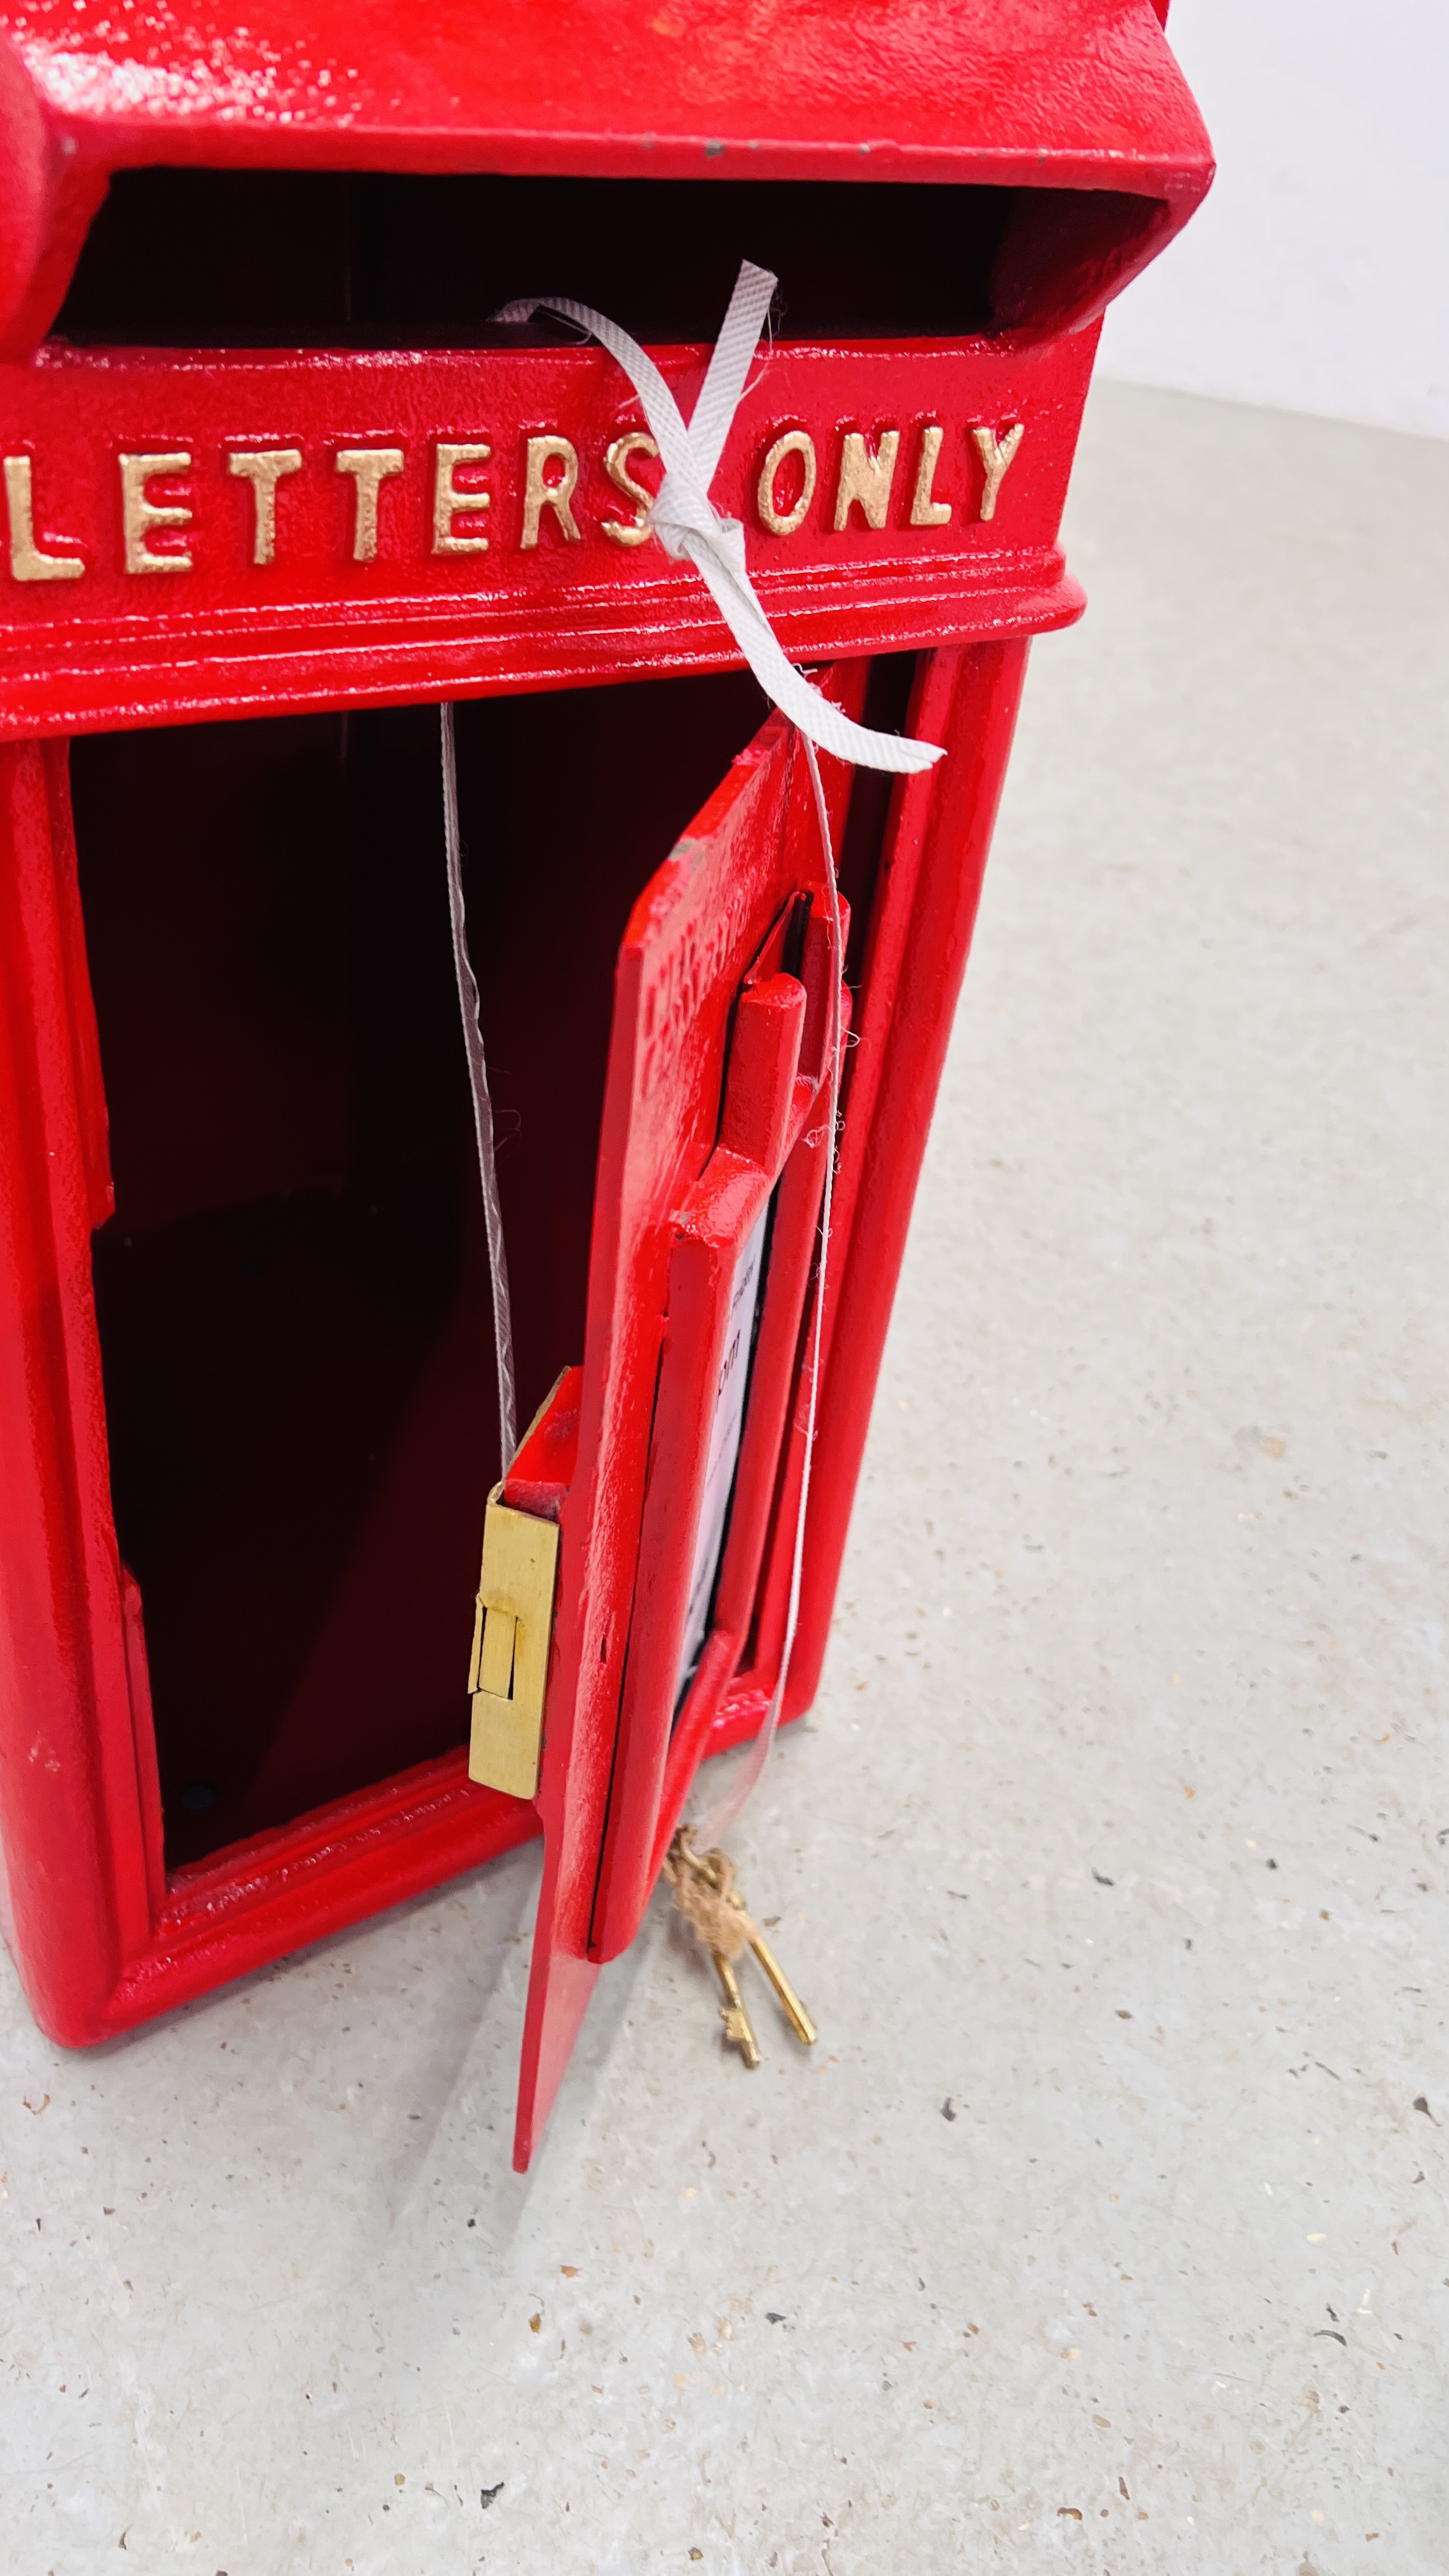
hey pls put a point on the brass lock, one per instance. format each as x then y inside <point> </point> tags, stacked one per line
<point>509,1671</point>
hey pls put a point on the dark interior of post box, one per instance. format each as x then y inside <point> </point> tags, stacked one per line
<point>293,1301</point>
<point>273,259</point>
<point>295,1319</point>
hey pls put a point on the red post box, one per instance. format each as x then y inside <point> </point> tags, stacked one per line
<point>275,487</point>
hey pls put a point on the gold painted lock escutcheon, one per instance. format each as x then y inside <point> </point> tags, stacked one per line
<point>509,1671</point>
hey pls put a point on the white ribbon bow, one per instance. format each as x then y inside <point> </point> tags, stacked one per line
<point>688,525</point>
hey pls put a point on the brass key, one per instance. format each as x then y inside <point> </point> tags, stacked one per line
<point>737,2031</point>
<point>795,2013</point>
<point>707,1868</point>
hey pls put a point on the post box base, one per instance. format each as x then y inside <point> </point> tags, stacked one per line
<point>245,1908</point>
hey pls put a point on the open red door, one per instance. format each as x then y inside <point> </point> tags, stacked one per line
<point>661,1458</point>
<point>671,1461</point>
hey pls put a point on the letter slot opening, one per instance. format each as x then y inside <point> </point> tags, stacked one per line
<point>188,258</point>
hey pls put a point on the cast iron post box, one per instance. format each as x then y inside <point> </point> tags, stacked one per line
<point>275,488</point>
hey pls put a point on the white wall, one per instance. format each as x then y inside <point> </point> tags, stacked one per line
<point>1316,276</point>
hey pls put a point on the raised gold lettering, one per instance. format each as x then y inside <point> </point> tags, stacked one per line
<point>450,504</point>
<point>926,510</point>
<point>866,476</point>
<point>27,561</point>
<point>139,516</point>
<point>996,454</point>
<point>625,532</point>
<point>539,494</point>
<point>783,523</point>
<point>369,468</point>
<point>263,468</point>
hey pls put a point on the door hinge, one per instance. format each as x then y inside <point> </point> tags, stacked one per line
<point>509,1670</point>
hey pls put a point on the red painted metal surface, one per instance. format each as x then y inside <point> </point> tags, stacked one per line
<point>186,535</point>
<point>1084,95</point>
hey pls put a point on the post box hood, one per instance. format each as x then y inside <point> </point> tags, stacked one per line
<point>1040,95</point>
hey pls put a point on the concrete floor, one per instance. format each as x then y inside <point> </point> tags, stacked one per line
<point>1105,2227</point>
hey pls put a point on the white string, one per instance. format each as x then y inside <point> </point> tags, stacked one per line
<point>688,525</point>
<point>482,1104</point>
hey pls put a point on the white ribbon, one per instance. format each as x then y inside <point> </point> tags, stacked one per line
<point>688,525</point>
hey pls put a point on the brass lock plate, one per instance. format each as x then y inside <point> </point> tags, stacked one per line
<point>509,1672</point>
